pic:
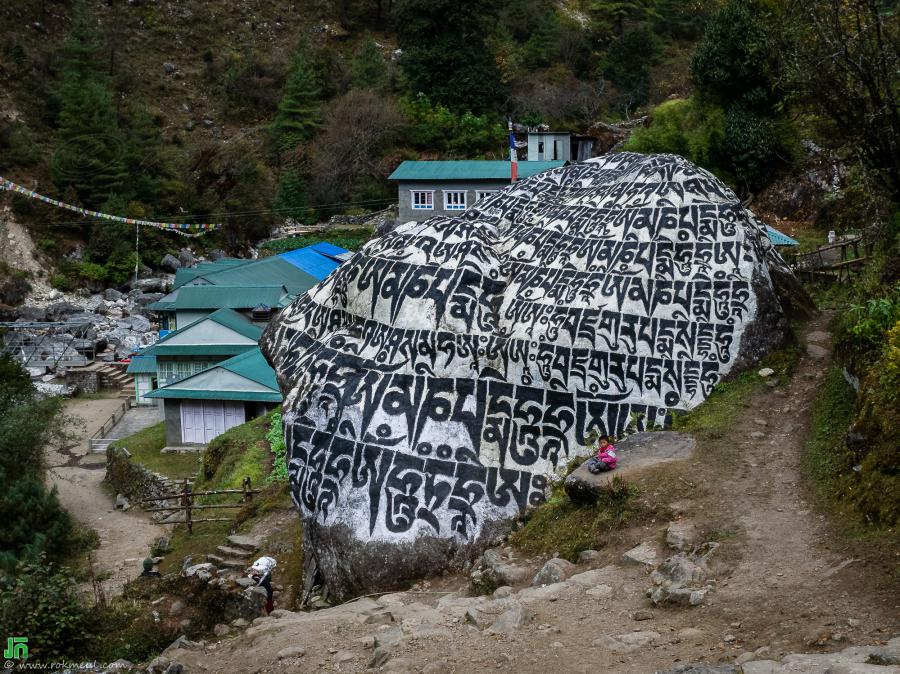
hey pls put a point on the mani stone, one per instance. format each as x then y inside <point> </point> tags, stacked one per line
<point>435,381</point>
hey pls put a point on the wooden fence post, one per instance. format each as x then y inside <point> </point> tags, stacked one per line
<point>186,501</point>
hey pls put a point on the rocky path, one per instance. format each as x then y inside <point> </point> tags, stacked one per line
<point>781,583</point>
<point>125,537</point>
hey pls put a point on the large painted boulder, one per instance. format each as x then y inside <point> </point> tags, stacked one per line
<point>436,380</point>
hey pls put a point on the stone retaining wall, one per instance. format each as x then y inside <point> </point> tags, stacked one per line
<point>135,481</point>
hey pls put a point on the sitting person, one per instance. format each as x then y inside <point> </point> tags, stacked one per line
<point>149,570</point>
<point>605,459</point>
<point>261,572</point>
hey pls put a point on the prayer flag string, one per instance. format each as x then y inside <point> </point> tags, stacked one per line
<point>182,228</point>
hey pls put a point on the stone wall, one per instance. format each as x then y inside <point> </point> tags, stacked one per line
<point>135,481</point>
<point>84,381</point>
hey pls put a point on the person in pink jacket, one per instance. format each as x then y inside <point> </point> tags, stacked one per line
<point>606,457</point>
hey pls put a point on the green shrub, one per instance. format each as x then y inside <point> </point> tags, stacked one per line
<point>568,528</point>
<point>683,127</point>
<point>754,146</point>
<point>436,127</point>
<point>275,438</point>
<point>862,329</point>
<point>41,603</point>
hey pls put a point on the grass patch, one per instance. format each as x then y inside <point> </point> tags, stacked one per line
<point>826,459</point>
<point>351,239</point>
<point>715,415</point>
<point>563,527</point>
<point>239,452</point>
<point>144,448</point>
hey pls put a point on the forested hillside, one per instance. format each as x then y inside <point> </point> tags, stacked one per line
<point>250,112</point>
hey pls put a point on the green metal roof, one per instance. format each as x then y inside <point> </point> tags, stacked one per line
<point>142,365</point>
<point>186,274</point>
<point>224,317</point>
<point>469,169</point>
<point>200,349</point>
<point>779,238</point>
<point>272,270</point>
<point>237,296</point>
<point>235,321</point>
<point>251,365</point>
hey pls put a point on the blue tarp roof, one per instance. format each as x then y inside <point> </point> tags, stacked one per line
<point>317,260</point>
<point>779,239</point>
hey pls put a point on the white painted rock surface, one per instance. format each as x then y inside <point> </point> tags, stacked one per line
<point>434,381</point>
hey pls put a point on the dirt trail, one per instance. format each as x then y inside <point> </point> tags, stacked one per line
<point>782,584</point>
<point>125,537</point>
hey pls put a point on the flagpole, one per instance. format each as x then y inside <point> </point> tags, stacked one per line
<point>513,158</point>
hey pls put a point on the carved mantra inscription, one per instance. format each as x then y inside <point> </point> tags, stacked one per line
<point>435,380</point>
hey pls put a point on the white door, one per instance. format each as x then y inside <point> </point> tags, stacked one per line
<point>203,420</point>
<point>192,421</point>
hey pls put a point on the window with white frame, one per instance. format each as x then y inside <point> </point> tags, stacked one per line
<point>454,200</point>
<point>483,194</point>
<point>423,200</point>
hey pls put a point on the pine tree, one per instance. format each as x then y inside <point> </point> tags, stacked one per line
<point>542,48</point>
<point>369,69</point>
<point>90,148</point>
<point>299,112</point>
<point>292,198</point>
<point>445,52</point>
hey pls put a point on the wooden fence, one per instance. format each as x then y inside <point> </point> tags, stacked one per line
<point>186,502</point>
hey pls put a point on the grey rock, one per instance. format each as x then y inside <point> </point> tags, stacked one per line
<point>816,352</point>
<point>291,652</point>
<point>437,667</point>
<point>60,311</point>
<point>111,294</point>
<point>379,657</point>
<point>140,324</point>
<point>357,542</point>
<point>122,502</point>
<point>186,257</point>
<point>389,638</point>
<point>554,571</point>
<point>588,556</point>
<point>680,570</point>
<point>510,620</point>
<point>143,299</point>
<point>197,569</point>
<point>642,555</point>
<point>168,68</point>
<point>701,668</point>
<point>626,643</point>
<point>154,284</point>
<point>177,608</point>
<point>637,451</point>
<point>174,668</point>
<point>221,630</point>
<point>760,666</point>
<point>170,263</point>
<point>158,665</point>
<point>681,535</point>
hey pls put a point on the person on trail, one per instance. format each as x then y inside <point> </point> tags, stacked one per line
<point>149,571</point>
<point>261,572</point>
<point>605,459</point>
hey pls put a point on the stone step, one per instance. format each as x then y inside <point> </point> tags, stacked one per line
<point>215,559</point>
<point>226,551</point>
<point>248,543</point>
<point>238,564</point>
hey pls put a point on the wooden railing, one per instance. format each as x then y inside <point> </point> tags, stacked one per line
<point>98,438</point>
<point>186,502</point>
